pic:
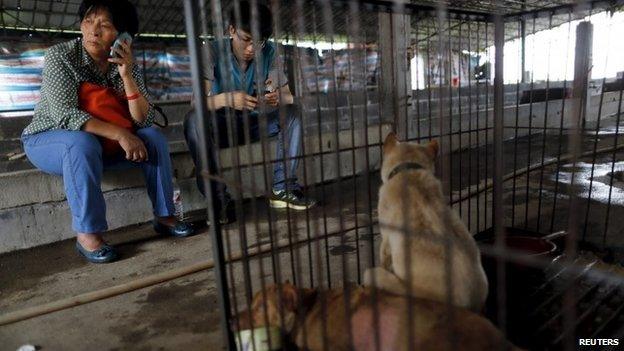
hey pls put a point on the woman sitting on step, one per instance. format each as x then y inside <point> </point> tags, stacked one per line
<point>83,78</point>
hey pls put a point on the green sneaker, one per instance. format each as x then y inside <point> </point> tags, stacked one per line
<point>293,199</point>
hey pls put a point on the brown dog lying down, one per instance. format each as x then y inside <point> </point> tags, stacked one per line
<point>435,326</point>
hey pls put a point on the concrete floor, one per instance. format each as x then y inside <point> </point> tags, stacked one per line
<point>182,314</point>
<point>175,315</point>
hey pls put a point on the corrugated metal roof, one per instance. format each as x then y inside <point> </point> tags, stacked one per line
<point>317,18</point>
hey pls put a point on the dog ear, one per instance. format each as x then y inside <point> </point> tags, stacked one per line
<point>390,142</point>
<point>290,299</point>
<point>308,297</point>
<point>432,149</point>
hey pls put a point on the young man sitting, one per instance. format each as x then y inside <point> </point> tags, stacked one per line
<point>230,69</point>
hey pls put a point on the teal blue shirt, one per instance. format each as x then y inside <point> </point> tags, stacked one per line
<point>222,69</point>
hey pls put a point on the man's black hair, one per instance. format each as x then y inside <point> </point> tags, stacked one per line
<point>123,13</point>
<point>264,22</point>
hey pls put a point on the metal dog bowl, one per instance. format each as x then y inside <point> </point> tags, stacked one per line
<point>530,245</point>
<point>524,242</point>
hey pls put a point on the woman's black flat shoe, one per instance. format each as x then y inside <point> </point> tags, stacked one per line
<point>180,229</point>
<point>104,254</point>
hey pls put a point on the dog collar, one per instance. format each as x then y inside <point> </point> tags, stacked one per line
<point>404,167</point>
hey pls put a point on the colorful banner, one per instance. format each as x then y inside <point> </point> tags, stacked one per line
<point>166,71</point>
<point>337,72</point>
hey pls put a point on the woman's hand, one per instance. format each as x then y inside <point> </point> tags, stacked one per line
<point>124,60</point>
<point>139,106</point>
<point>133,146</point>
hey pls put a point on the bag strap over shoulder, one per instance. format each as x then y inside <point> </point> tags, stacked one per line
<point>164,116</point>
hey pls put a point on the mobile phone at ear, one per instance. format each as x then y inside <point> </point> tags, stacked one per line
<point>125,36</point>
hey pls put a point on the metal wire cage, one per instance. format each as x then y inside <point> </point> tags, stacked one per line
<point>518,160</point>
<point>530,161</point>
<point>506,149</point>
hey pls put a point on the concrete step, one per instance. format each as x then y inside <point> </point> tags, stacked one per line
<point>33,210</point>
<point>11,128</point>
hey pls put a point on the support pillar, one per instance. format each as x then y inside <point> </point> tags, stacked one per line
<point>498,213</point>
<point>523,75</point>
<point>582,72</point>
<point>578,113</point>
<point>395,80</point>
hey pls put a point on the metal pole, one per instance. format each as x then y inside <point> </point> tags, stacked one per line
<point>444,78</point>
<point>191,9</point>
<point>582,67</point>
<point>523,43</point>
<point>582,64</point>
<point>497,196</point>
<point>523,50</point>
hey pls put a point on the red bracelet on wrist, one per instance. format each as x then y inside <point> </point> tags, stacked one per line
<point>133,96</point>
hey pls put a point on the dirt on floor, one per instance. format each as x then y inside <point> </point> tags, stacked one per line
<point>329,245</point>
<point>178,314</point>
<point>181,314</point>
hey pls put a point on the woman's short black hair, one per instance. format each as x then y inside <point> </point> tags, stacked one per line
<point>122,12</point>
<point>265,19</point>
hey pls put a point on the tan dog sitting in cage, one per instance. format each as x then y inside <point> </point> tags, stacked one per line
<point>313,319</point>
<point>418,228</point>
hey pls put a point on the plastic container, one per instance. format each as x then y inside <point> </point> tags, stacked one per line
<point>177,198</point>
<point>260,340</point>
